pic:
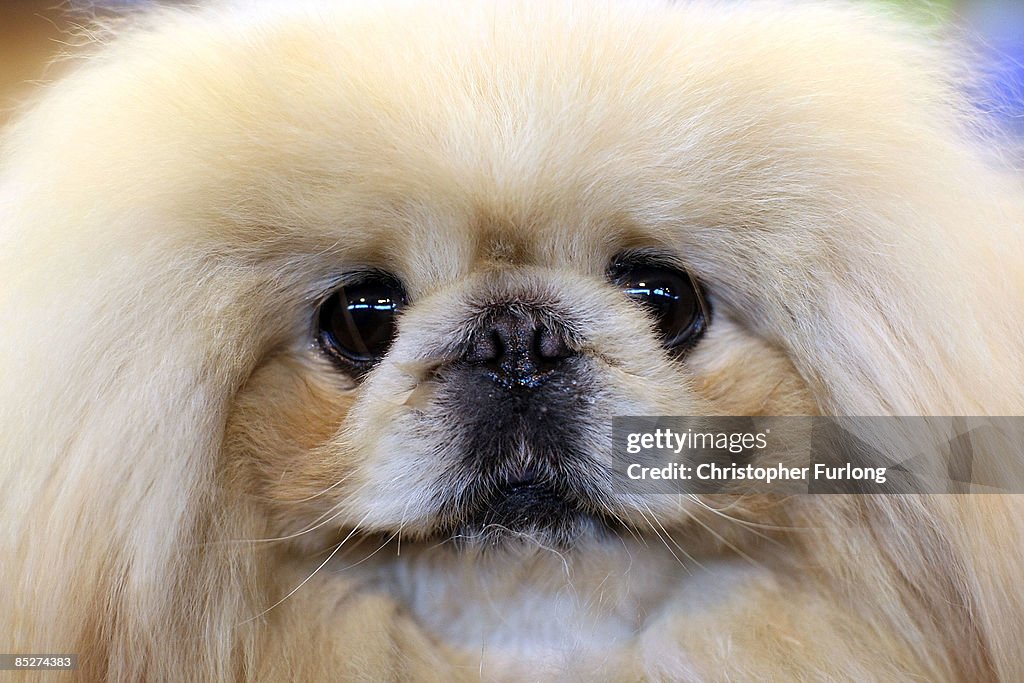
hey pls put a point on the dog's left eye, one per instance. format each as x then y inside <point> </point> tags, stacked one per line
<point>358,322</point>
<point>671,295</point>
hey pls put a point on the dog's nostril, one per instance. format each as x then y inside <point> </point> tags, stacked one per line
<point>485,347</point>
<point>550,346</point>
<point>498,345</point>
<point>517,347</point>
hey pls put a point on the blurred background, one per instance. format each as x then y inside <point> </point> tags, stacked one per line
<point>32,31</point>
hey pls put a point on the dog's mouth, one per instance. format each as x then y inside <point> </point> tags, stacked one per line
<point>529,507</point>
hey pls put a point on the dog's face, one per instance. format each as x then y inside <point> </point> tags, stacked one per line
<point>481,404</point>
<point>503,264</point>
<point>465,388</point>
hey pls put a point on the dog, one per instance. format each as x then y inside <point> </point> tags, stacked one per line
<point>315,318</point>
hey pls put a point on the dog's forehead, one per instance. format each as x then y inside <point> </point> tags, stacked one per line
<point>519,146</point>
<point>428,252</point>
<point>445,172</point>
<point>520,135</point>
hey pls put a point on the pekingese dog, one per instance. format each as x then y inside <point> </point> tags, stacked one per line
<point>315,317</point>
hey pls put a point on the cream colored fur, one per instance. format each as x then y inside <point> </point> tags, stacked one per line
<point>176,458</point>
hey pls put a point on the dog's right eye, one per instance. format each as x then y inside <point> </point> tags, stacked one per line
<point>358,322</point>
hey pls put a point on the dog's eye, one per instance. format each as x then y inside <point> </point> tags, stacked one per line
<point>671,295</point>
<point>357,323</point>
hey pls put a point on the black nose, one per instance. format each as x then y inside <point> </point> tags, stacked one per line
<point>517,348</point>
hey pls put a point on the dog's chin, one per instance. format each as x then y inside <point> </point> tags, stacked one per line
<point>526,513</point>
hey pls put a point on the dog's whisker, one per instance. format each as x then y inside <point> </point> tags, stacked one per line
<point>747,524</point>
<point>383,545</point>
<point>721,539</point>
<point>327,490</point>
<point>330,515</point>
<point>651,523</point>
<point>401,525</point>
<point>308,578</point>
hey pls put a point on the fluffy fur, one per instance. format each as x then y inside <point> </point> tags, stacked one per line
<point>180,464</point>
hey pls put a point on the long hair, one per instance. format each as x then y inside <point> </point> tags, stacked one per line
<point>126,329</point>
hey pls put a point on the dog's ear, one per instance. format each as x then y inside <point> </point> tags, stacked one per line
<point>123,358</point>
<point>891,274</point>
<point>121,347</point>
<point>871,239</point>
<point>944,567</point>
